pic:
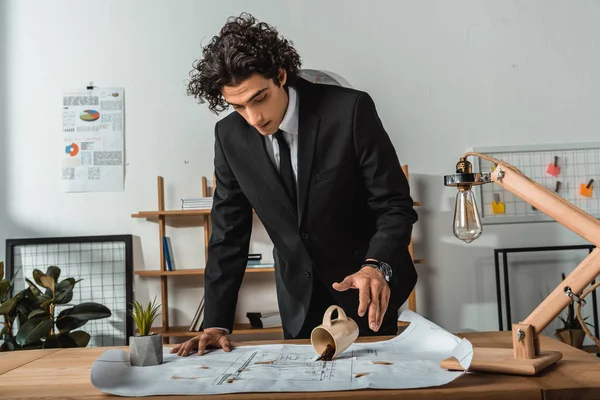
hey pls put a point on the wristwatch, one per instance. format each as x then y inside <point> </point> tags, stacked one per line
<point>380,266</point>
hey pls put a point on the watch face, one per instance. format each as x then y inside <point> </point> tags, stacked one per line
<point>386,269</point>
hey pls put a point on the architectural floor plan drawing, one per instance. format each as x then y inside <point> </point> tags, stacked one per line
<point>409,360</point>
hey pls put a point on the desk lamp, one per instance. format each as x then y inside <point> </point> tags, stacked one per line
<point>525,357</point>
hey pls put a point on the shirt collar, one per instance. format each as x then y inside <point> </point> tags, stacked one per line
<point>289,123</point>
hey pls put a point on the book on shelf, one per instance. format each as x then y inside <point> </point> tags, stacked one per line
<point>269,319</point>
<point>260,265</point>
<point>198,320</point>
<point>196,203</point>
<point>168,250</point>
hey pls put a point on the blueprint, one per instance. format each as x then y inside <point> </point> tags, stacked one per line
<point>409,360</point>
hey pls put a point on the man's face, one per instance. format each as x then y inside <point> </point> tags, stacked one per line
<point>260,101</point>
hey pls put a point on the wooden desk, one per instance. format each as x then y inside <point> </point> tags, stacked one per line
<point>64,373</point>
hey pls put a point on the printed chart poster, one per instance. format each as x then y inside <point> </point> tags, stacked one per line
<point>93,141</point>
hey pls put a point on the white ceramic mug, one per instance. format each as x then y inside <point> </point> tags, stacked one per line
<point>340,332</point>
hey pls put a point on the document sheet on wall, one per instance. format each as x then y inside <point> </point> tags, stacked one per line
<point>92,155</point>
<point>409,360</point>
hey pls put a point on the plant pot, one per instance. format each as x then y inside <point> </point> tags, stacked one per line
<point>145,351</point>
<point>573,337</point>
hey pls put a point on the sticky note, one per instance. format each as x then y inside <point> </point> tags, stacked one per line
<point>554,168</point>
<point>586,189</point>
<point>497,205</point>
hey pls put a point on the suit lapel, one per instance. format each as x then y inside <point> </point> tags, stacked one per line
<point>308,129</point>
<point>267,169</point>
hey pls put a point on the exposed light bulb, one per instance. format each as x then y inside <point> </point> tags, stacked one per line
<point>467,224</point>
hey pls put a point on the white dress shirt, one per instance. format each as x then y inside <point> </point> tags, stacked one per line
<point>289,127</point>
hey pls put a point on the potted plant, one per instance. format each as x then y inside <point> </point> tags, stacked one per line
<point>35,309</point>
<point>572,332</point>
<point>145,348</point>
<point>7,312</point>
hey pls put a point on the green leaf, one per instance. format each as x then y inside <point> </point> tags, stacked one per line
<point>86,311</point>
<point>64,291</point>
<point>8,305</point>
<point>46,303</point>
<point>34,330</point>
<point>59,341</point>
<point>47,282</point>
<point>34,289</point>
<point>5,286</point>
<point>7,346</point>
<point>144,318</point>
<point>53,272</point>
<point>67,324</point>
<point>1,270</point>
<point>37,276</point>
<point>80,337</point>
<point>38,313</point>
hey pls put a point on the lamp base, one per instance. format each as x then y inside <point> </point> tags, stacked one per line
<point>502,361</point>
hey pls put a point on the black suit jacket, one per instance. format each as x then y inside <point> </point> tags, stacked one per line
<point>353,203</point>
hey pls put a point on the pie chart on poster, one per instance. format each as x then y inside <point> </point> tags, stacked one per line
<point>72,149</point>
<point>89,115</point>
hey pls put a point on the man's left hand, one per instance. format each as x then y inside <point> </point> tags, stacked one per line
<point>373,292</point>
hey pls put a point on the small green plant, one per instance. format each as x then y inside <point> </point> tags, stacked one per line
<point>144,317</point>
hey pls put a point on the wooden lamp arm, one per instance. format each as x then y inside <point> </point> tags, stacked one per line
<point>567,215</point>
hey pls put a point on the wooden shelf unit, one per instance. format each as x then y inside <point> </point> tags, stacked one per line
<point>161,216</point>
<point>199,271</point>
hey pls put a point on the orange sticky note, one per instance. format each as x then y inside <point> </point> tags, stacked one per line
<point>554,168</point>
<point>586,190</point>
<point>497,205</point>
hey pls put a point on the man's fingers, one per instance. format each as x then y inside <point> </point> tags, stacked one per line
<point>225,343</point>
<point>186,348</point>
<point>205,341</point>
<point>364,298</point>
<point>385,299</point>
<point>375,308</point>
<point>346,284</point>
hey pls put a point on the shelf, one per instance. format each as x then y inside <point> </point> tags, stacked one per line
<point>238,329</point>
<point>188,213</point>
<point>176,213</point>
<point>173,213</point>
<point>199,271</point>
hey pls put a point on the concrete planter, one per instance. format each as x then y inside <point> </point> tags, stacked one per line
<point>145,351</point>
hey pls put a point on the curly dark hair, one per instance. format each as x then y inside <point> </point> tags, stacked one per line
<point>243,47</point>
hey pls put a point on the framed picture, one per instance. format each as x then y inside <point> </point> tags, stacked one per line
<point>103,265</point>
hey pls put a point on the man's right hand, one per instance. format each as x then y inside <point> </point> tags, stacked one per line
<point>210,337</point>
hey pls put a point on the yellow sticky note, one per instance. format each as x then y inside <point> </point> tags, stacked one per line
<point>497,205</point>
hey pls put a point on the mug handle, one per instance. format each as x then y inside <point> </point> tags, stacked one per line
<point>330,310</point>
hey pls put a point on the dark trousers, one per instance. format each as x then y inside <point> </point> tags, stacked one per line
<point>321,300</point>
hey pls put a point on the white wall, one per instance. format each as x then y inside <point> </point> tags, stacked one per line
<point>445,76</point>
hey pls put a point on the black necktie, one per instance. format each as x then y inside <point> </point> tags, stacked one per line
<point>285,167</point>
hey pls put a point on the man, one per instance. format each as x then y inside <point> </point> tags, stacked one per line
<point>317,166</point>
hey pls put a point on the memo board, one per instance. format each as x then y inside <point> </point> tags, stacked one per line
<point>579,163</point>
<point>103,263</point>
